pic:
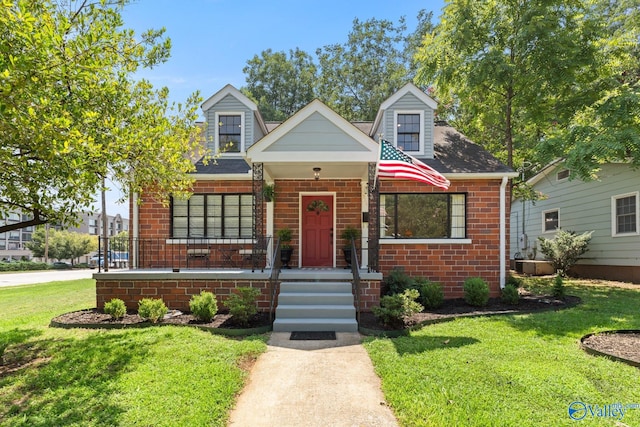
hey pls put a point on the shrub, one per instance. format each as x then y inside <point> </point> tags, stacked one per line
<point>203,306</point>
<point>394,308</point>
<point>397,281</point>
<point>115,308</point>
<point>510,295</point>
<point>515,281</point>
<point>476,291</point>
<point>564,249</point>
<point>431,294</point>
<point>242,305</point>
<point>558,289</point>
<point>152,309</point>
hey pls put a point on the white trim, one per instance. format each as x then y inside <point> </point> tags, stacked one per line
<point>216,136</point>
<point>208,241</point>
<point>614,219</point>
<point>544,222</point>
<point>392,241</point>
<point>388,103</point>
<point>503,232</point>
<point>333,194</point>
<point>135,228</point>
<point>421,148</point>
<point>228,90</point>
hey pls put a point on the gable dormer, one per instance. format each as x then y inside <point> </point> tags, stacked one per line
<point>406,119</point>
<point>233,122</point>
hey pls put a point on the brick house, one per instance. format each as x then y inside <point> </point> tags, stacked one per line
<point>323,169</point>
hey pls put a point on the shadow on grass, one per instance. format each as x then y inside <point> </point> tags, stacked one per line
<point>16,336</point>
<point>601,308</point>
<point>422,344</point>
<point>75,384</point>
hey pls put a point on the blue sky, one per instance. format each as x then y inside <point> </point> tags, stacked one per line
<point>213,39</point>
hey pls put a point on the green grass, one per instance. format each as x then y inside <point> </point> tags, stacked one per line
<point>163,376</point>
<point>521,370</point>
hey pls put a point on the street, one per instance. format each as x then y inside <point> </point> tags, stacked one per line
<point>31,277</point>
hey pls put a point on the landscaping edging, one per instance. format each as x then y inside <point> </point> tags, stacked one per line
<point>594,352</point>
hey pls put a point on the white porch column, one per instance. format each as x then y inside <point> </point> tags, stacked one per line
<point>503,231</point>
<point>364,244</point>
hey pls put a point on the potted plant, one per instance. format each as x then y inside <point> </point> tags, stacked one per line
<point>349,234</point>
<point>269,192</point>
<point>285,247</point>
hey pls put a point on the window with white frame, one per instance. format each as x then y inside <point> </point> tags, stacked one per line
<point>624,214</point>
<point>550,220</point>
<point>230,132</point>
<point>216,216</point>
<point>409,134</point>
<point>423,216</point>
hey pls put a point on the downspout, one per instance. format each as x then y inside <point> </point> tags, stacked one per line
<point>133,254</point>
<point>503,231</point>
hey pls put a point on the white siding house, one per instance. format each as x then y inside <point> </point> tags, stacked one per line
<point>608,206</point>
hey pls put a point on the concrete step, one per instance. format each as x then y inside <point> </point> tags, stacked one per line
<point>326,311</point>
<point>316,287</point>
<point>315,324</point>
<point>314,298</point>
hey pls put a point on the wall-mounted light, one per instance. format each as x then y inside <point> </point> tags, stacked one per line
<point>316,173</point>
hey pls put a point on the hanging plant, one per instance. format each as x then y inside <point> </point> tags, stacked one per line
<point>317,206</point>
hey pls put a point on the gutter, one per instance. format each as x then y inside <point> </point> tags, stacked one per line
<point>133,254</point>
<point>503,231</point>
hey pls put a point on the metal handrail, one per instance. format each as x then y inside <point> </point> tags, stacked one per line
<point>355,271</point>
<point>276,265</point>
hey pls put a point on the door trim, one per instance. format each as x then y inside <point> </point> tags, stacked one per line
<point>335,216</point>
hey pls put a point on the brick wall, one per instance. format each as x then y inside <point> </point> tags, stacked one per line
<point>176,292</point>
<point>450,264</point>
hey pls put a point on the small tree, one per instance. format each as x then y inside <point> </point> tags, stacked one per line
<point>564,250</point>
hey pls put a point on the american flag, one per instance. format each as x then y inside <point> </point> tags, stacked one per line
<point>393,163</point>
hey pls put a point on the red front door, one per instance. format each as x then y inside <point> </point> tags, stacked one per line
<point>317,231</point>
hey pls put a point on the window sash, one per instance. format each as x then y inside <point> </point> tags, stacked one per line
<point>230,132</point>
<point>626,215</point>
<point>217,216</point>
<point>551,220</point>
<point>440,216</point>
<point>408,132</point>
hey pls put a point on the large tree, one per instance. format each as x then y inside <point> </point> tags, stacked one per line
<point>607,129</point>
<point>510,70</point>
<point>71,113</point>
<point>357,76</point>
<point>279,84</point>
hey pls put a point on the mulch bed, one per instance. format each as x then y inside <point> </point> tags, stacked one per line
<point>452,308</point>
<point>624,345</point>
<point>96,318</point>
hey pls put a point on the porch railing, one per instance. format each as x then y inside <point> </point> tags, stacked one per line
<point>185,253</point>
<point>355,271</point>
<point>276,265</point>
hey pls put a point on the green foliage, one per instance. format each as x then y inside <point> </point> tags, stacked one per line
<point>349,234</point>
<point>62,244</point>
<point>510,295</point>
<point>242,304</point>
<point>564,249</point>
<point>204,306</point>
<point>514,281</point>
<point>396,282</point>
<point>285,236</point>
<point>152,309</point>
<point>73,112</point>
<point>280,85</point>
<point>431,293</point>
<point>558,289</point>
<point>23,266</point>
<point>115,308</point>
<point>476,291</point>
<point>394,308</point>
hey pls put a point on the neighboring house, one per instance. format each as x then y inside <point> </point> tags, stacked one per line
<point>608,206</point>
<point>324,171</point>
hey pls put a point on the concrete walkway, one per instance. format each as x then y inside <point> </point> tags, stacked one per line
<point>313,383</point>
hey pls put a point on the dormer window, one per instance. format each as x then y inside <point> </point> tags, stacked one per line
<point>410,131</point>
<point>230,132</point>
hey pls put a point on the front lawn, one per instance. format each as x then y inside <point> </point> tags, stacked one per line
<point>165,376</point>
<point>521,370</point>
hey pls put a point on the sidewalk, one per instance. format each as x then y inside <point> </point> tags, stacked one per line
<point>313,383</point>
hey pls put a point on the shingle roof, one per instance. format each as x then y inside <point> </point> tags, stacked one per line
<point>455,153</point>
<point>223,166</point>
